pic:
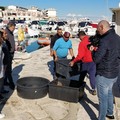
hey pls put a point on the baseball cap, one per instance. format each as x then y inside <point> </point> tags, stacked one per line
<point>66,34</point>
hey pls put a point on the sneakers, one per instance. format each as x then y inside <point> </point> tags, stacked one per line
<point>93,92</point>
<point>2,115</point>
<point>110,116</point>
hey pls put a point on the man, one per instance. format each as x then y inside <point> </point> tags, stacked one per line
<point>88,66</point>
<point>10,37</point>
<point>107,60</point>
<point>61,47</point>
<point>53,40</point>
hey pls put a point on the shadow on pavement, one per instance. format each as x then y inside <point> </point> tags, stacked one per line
<point>15,74</point>
<point>85,101</point>
<point>51,67</point>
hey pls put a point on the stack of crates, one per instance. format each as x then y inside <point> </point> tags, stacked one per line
<point>66,89</point>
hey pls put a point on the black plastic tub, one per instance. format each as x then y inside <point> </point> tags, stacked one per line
<point>32,87</point>
<point>65,91</point>
<point>63,68</point>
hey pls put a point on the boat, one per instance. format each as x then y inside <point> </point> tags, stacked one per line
<point>43,41</point>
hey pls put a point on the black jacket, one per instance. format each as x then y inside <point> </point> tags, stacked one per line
<point>6,52</point>
<point>108,54</point>
<point>53,39</point>
<point>10,37</point>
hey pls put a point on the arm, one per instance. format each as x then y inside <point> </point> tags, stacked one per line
<point>100,53</point>
<point>54,53</point>
<point>81,52</point>
<point>51,46</point>
<point>55,47</point>
<point>71,52</point>
<point>51,52</point>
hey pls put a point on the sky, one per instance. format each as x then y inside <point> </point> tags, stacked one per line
<point>70,8</point>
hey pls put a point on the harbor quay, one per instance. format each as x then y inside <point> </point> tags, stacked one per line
<point>38,64</point>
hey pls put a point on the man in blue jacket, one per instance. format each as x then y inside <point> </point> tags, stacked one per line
<point>107,67</point>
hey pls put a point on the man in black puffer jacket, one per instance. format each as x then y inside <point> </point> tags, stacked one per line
<point>107,60</point>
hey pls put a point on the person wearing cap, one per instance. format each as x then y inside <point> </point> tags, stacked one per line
<point>62,46</point>
<point>88,66</point>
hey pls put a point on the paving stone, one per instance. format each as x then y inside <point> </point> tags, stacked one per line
<point>17,108</point>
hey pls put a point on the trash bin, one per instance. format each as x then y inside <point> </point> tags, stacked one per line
<point>32,87</point>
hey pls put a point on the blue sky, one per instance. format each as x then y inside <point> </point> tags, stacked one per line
<point>90,8</point>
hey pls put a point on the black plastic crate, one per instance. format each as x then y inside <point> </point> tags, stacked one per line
<point>63,68</point>
<point>65,92</point>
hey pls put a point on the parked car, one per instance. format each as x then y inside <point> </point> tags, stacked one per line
<point>35,24</point>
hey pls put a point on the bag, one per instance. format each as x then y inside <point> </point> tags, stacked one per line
<point>116,88</point>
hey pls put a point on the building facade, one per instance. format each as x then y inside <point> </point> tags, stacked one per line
<point>20,13</point>
<point>116,18</point>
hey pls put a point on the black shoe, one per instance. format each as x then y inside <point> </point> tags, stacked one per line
<point>2,98</point>
<point>5,91</point>
<point>110,116</point>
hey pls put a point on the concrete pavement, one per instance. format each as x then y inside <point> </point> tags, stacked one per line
<point>17,108</point>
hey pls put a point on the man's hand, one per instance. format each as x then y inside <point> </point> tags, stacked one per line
<point>91,48</point>
<point>71,63</point>
<point>56,58</point>
<point>73,58</point>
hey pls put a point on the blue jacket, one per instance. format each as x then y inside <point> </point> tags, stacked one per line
<point>108,54</point>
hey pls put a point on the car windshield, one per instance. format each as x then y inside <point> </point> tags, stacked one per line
<point>34,22</point>
<point>83,24</point>
<point>60,23</point>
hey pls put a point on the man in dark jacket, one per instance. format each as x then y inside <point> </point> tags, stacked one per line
<point>10,37</point>
<point>53,40</point>
<point>107,67</point>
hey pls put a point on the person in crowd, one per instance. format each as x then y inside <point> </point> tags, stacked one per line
<point>6,48</point>
<point>53,40</point>
<point>107,67</point>
<point>21,38</point>
<point>1,75</point>
<point>10,37</point>
<point>88,66</point>
<point>62,46</point>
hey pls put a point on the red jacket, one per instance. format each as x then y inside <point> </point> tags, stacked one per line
<point>83,53</point>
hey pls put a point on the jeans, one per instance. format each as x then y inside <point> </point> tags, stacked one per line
<point>105,95</point>
<point>89,68</point>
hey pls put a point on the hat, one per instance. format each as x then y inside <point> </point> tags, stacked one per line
<point>66,34</point>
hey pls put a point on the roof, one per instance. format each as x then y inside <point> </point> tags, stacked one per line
<point>115,9</point>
